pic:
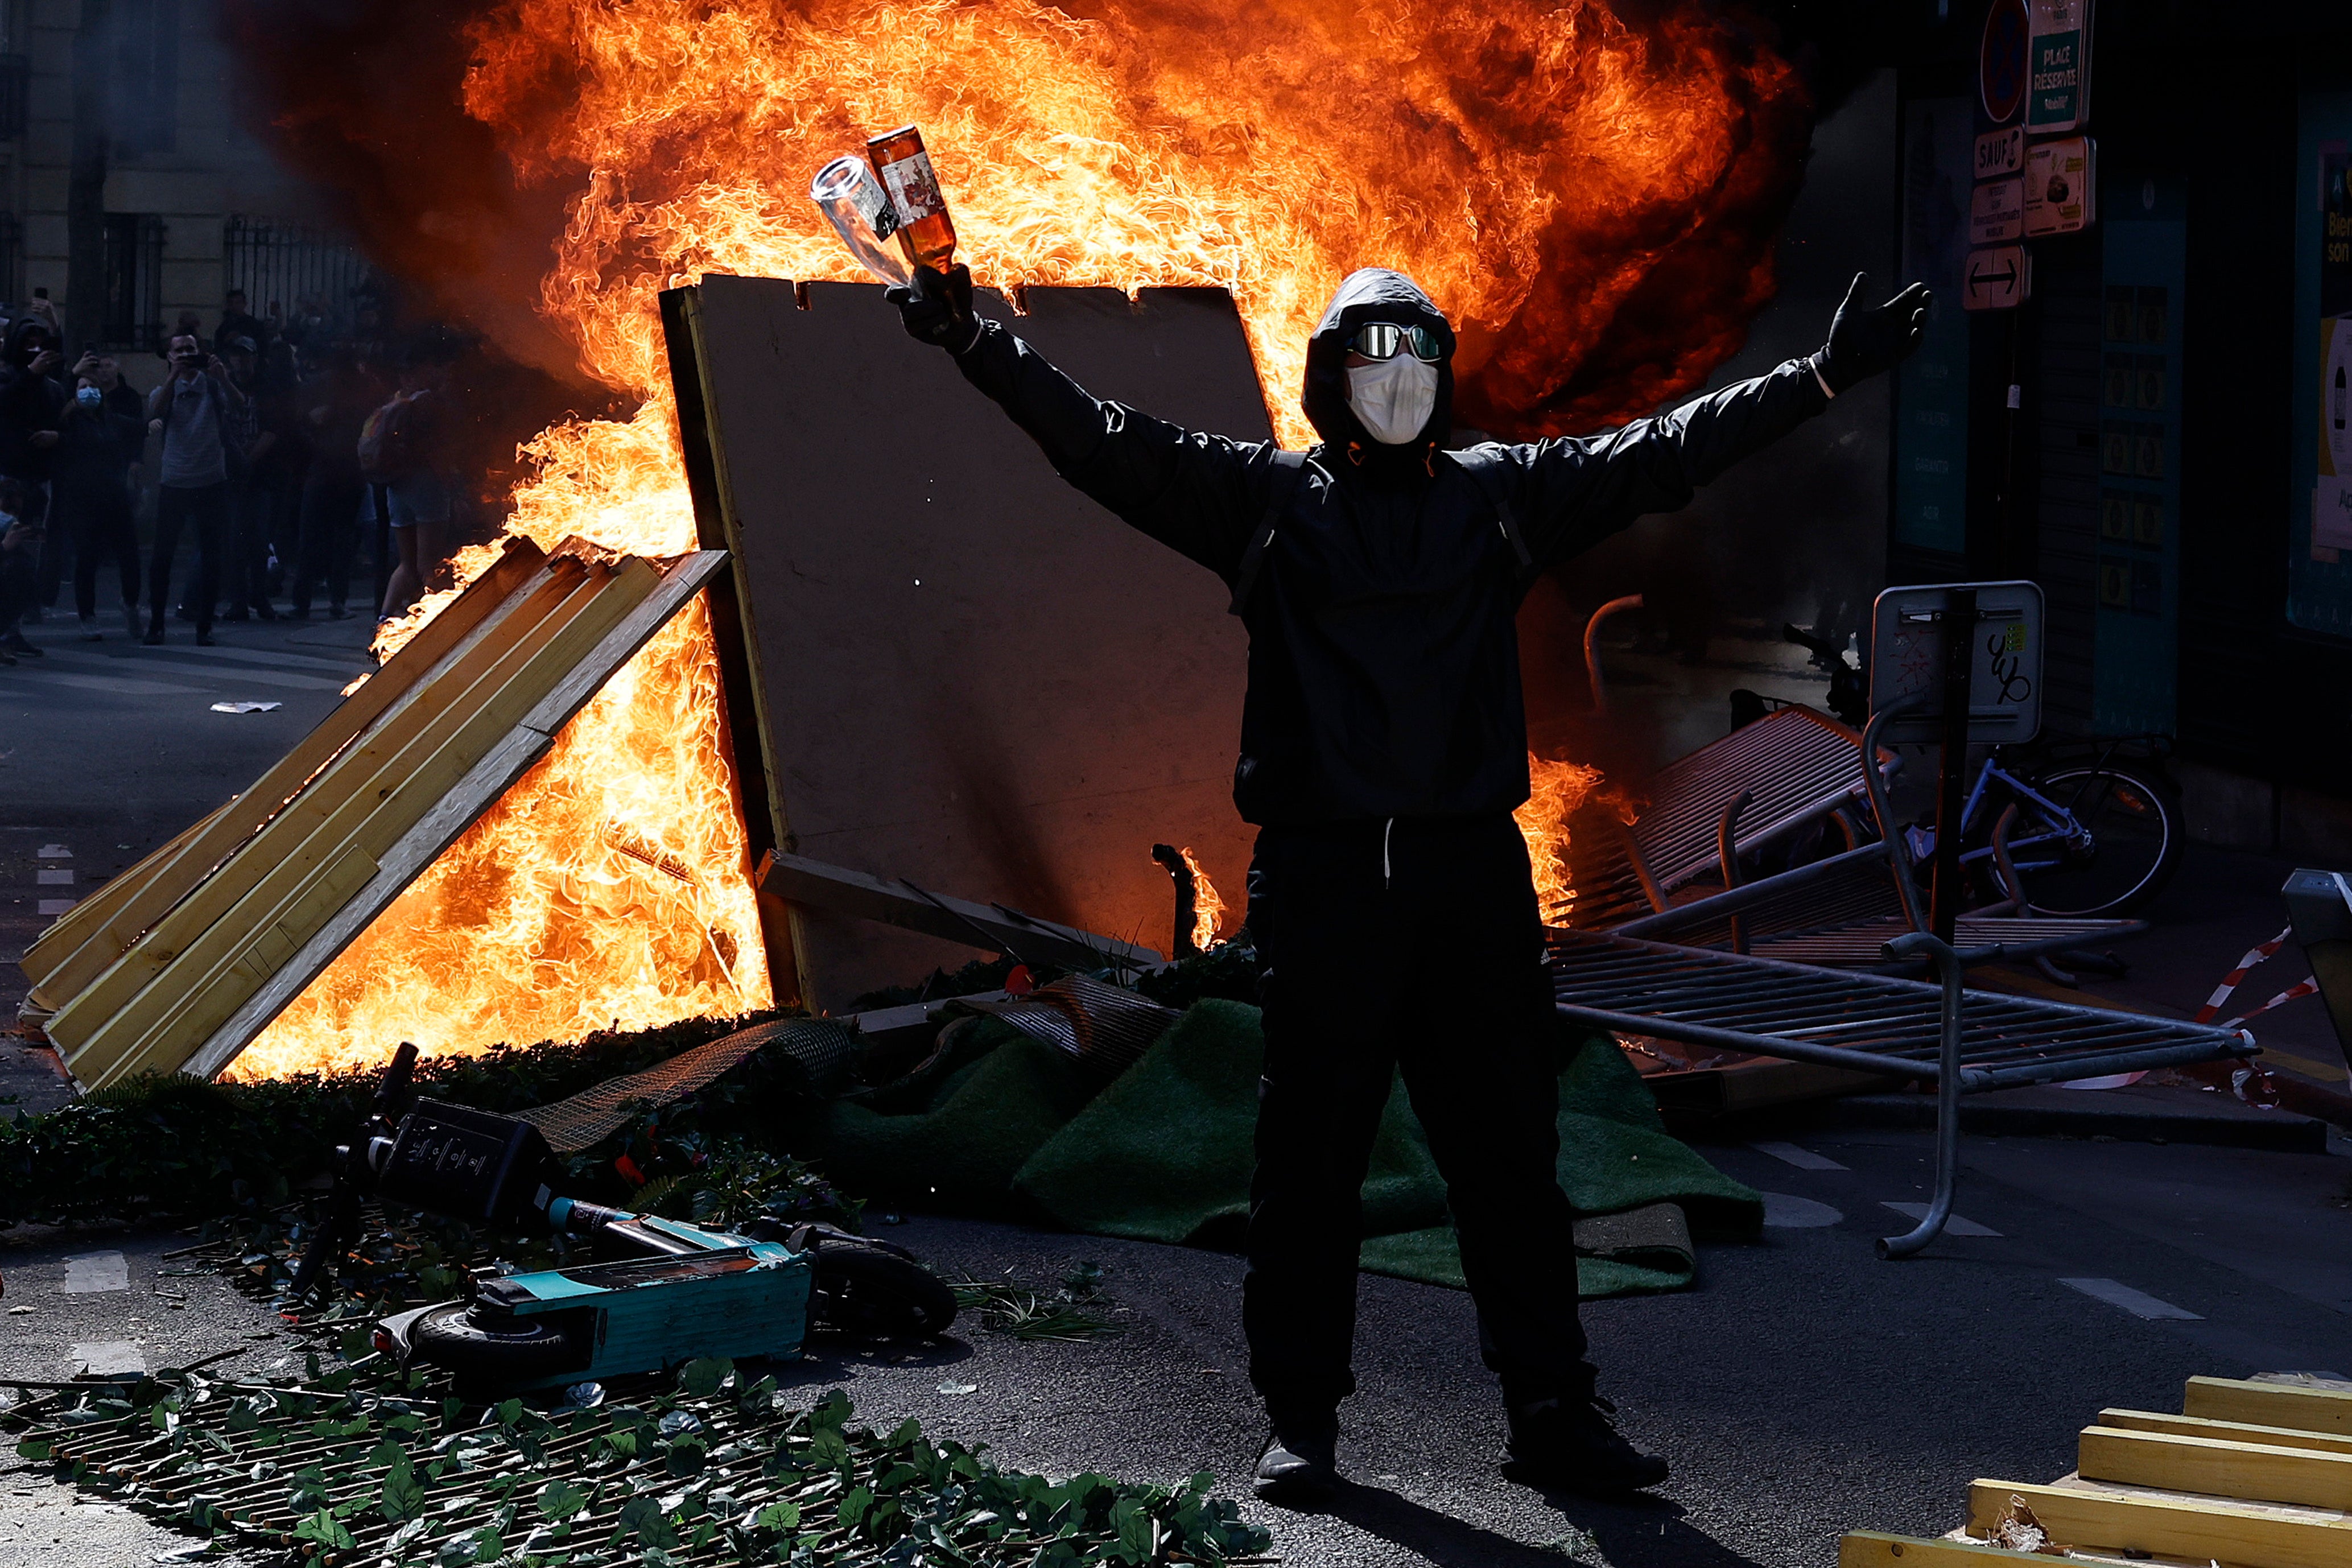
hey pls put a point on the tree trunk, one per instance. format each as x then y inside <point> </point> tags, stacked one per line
<point>85,301</point>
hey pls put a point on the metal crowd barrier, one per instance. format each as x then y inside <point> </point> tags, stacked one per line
<point>1961,1041</point>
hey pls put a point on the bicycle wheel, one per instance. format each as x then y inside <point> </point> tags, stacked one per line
<point>2129,842</point>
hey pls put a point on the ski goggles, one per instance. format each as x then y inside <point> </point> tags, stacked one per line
<point>1386,340</point>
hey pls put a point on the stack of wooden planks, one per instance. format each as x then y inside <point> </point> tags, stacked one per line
<point>177,964</point>
<point>2251,1475</point>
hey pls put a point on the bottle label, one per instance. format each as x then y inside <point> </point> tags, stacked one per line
<point>874,208</point>
<point>913,190</point>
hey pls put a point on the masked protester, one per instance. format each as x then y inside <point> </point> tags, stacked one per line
<point>31,397</point>
<point>1384,750</point>
<point>90,477</point>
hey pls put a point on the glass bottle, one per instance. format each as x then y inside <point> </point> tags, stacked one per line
<point>859,212</point>
<point>925,231</point>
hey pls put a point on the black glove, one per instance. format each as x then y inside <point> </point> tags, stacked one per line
<point>1867,339</point>
<point>937,307</point>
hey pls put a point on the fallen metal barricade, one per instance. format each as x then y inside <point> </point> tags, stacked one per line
<point>1797,767</point>
<point>1963,1042</point>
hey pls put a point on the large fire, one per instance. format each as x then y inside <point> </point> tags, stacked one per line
<point>1590,198</point>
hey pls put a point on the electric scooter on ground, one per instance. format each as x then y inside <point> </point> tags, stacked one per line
<point>655,1293</point>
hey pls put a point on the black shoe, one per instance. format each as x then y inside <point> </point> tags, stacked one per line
<point>1298,1469</point>
<point>337,612</point>
<point>14,642</point>
<point>154,637</point>
<point>236,612</point>
<point>204,639</point>
<point>1572,1446</point>
<point>262,612</point>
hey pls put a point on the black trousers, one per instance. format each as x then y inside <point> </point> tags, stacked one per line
<point>207,506</point>
<point>1412,945</point>
<point>330,524</point>
<point>104,531</point>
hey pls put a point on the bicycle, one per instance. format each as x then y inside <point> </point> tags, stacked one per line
<point>2097,837</point>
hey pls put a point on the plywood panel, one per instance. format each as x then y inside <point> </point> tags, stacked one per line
<point>974,677</point>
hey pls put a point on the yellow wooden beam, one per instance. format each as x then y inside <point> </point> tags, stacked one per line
<point>2229,1431</point>
<point>75,952</point>
<point>350,769</point>
<point>2244,1535</point>
<point>2270,1404</point>
<point>1873,1549</point>
<point>2256,1471</point>
<point>96,911</point>
<point>456,810</point>
<point>196,987</point>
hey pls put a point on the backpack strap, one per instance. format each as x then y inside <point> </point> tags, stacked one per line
<point>1287,468</point>
<point>1488,478</point>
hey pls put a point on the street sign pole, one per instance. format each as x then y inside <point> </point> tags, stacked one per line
<point>1951,782</point>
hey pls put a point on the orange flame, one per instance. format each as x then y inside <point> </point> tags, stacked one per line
<point>1593,201</point>
<point>1208,904</point>
<point>1559,789</point>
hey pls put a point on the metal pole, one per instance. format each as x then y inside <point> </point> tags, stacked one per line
<point>1948,1090</point>
<point>1951,791</point>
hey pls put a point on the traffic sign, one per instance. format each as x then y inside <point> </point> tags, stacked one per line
<point>2059,97</point>
<point>1907,661</point>
<point>2002,59</point>
<point>2001,153</point>
<point>1996,212</point>
<point>1999,279</point>
<point>2061,185</point>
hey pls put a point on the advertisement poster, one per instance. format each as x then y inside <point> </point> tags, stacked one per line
<point>2319,527</point>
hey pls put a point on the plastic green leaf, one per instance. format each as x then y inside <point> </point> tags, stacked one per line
<point>701,1377</point>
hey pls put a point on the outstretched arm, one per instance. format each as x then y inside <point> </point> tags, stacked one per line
<point>1575,491</point>
<point>1196,493</point>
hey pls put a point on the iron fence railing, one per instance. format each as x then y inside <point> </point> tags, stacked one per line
<point>281,266</point>
<point>133,318</point>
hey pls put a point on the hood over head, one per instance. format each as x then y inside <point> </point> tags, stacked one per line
<point>21,329</point>
<point>1371,294</point>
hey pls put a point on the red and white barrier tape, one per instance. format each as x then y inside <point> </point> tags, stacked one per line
<point>2220,999</point>
<point>2237,977</point>
<point>2306,986</point>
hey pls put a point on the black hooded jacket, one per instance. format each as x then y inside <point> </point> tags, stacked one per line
<point>1383,664</point>
<point>28,403</point>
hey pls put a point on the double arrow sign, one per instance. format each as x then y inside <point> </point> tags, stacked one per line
<point>1997,278</point>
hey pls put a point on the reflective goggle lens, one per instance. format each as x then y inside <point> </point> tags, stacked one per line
<point>1386,340</point>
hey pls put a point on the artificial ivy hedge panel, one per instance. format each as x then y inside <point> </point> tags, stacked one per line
<point>372,1466</point>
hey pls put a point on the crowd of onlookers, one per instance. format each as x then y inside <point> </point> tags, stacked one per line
<point>262,460</point>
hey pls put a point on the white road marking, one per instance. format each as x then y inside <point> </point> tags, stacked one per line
<point>1794,1155</point>
<point>118,685</point>
<point>1954,1225</point>
<point>2139,1304</point>
<point>53,852</point>
<point>54,877</point>
<point>109,1358</point>
<point>56,906</point>
<point>1782,1211</point>
<point>347,667</point>
<point>94,1271</point>
<point>204,673</point>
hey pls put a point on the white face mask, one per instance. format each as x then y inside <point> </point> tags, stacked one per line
<point>1392,398</point>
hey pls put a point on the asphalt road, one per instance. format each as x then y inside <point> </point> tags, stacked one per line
<point>1804,1388</point>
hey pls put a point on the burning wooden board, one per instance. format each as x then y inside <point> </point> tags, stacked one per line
<point>179,962</point>
<point>970,677</point>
